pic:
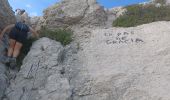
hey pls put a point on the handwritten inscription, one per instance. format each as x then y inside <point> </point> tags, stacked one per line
<point>119,38</point>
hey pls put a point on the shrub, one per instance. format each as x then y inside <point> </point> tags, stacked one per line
<point>140,14</point>
<point>63,36</point>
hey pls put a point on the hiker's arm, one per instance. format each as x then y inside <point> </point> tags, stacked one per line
<point>34,32</point>
<point>5,29</point>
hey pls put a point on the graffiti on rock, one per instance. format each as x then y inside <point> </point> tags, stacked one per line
<point>122,37</point>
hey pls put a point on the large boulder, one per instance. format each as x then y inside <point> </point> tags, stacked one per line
<point>42,75</point>
<point>127,63</point>
<point>71,12</point>
<point>6,14</point>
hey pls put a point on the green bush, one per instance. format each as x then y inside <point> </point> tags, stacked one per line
<point>61,35</point>
<point>139,14</point>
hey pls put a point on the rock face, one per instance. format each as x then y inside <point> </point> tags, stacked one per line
<point>3,80</point>
<point>6,14</point>
<point>69,12</point>
<point>6,17</point>
<point>114,13</point>
<point>39,77</point>
<point>128,63</point>
<point>111,64</point>
<point>37,22</point>
<point>42,76</point>
<point>101,64</point>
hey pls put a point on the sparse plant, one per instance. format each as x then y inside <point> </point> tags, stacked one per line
<point>139,14</point>
<point>61,35</point>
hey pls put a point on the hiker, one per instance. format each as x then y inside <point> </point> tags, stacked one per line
<point>17,36</point>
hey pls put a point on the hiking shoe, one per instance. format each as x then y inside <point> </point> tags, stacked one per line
<point>4,59</point>
<point>13,63</point>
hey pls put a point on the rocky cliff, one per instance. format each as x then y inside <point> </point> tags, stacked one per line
<point>6,17</point>
<point>111,64</point>
<point>101,64</point>
<point>6,14</point>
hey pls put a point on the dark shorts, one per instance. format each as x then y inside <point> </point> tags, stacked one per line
<point>17,35</point>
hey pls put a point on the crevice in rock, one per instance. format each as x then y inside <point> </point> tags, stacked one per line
<point>22,95</point>
<point>33,85</point>
<point>86,9</point>
<point>84,12</point>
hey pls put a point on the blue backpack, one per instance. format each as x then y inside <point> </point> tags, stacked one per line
<point>22,27</point>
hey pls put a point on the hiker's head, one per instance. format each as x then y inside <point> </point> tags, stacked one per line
<point>18,11</point>
<point>22,11</point>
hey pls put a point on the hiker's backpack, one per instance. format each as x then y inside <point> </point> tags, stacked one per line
<point>22,27</point>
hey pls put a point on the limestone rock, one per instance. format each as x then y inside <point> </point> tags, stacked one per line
<point>37,22</point>
<point>117,11</point>
<point>101,64</point>
<point>3,80</point>
<point>3,77</point>
<point>113,14</point>
<point>127,63</point>
<point>6,14</point>
<point>69,12</point>
<point>111,64</point>
<point>40,77</point>
<point>6,17</point>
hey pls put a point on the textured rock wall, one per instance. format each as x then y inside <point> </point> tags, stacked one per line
<point>43,73</point>
<point>111,64</point>
<point>101,64</point>
<point>37,22</point>
<point>6,17</point>
<point>71,12</point>
<point>127,63</point>
<point>6,14</point>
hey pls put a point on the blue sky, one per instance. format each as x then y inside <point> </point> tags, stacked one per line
<point>35,7</point>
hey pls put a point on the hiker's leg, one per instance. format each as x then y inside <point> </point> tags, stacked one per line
<point>17,49</point>
<point>12,43</point>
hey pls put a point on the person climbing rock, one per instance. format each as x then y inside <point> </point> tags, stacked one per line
<point>17,36</point>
